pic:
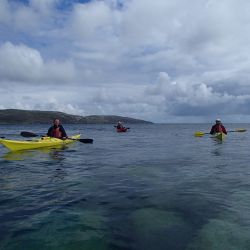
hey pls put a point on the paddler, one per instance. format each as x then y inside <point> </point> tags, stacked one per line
<point>218,127</point>
<point>57,130</point>
<point>119,125</point>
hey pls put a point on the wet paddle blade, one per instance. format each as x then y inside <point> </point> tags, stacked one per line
<point>199,134</point>
<point>28,134</point>
<point>240,130</point>
<point>85,140</point>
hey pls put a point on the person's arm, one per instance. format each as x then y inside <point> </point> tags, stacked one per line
<point>212,130</point>
<point>63,131</point>
<point>49,132</point>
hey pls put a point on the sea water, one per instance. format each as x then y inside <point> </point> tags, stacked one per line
<point>154,187</point>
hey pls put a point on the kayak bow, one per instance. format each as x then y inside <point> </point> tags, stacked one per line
<point>121,129</point>
<point>15,145</point>
<point>219,136</point>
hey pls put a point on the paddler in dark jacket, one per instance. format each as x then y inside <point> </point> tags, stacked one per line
<point>218,128</point>
<point>119,125</point>
<point>57,130</point>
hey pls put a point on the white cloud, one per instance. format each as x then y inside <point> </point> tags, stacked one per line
<point>184,98</point>
<point>123,46</point>
<point>91,20</point>
<point>24,64</point>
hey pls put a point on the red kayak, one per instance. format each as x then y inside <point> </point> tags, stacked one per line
<point>121,130</point>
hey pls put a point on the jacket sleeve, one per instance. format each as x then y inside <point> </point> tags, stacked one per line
<point>212,130</point>
<point>49,132</point>
<point>224,130</point>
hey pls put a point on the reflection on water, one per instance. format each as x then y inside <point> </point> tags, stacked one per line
<point>18,155</point>
<point>58,154</point>
<point>55,153</point>
<point>218,145</point>
<point>217,150</point>
<point>59,174</point>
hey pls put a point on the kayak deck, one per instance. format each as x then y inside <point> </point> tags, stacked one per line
<point>15,145</point>
<point>219,136</point>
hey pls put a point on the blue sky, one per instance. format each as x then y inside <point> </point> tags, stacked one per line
<point>163,60</point>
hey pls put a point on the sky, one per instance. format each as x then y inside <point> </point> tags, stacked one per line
<point>162,61</point>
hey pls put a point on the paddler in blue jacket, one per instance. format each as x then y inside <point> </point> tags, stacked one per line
<point>57,130</point>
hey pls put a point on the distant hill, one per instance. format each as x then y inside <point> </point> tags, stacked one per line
<point>16,116</point>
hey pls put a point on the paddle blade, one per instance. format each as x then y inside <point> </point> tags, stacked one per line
<point>240,130</point>
<point>199,134</point>
<point>28,134</point>
<point>85,140</point>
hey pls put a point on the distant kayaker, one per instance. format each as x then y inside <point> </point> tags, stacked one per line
<point>57,130</point>
<point>119,125</point>
<point>218,128</point>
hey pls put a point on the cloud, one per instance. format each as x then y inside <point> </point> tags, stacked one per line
<point>23,64</point>
<point>28,18</point>
<point>160,60</point>
<point>184,98</point>
<point>92,20</point>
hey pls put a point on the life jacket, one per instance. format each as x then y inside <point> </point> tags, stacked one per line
<point>56,133</point>
<point>218,128</point>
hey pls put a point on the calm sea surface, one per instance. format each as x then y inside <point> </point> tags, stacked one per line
<point>155,187</point>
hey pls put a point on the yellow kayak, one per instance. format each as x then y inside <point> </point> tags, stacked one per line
<point>220,136</point>
<point>14,145</point>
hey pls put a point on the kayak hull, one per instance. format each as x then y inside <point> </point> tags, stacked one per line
<point>120,130</point>
<point>15,145</point>
<point>219,136</point>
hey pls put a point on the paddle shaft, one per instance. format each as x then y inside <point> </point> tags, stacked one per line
<point>239,130</point>
<point>30,134</point>
<point>200,134</point>
<point>82,140</point>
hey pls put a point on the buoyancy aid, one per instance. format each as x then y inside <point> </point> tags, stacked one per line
<point>56,132</point>
<point>218,128</point>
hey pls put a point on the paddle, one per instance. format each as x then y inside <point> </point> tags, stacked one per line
<point>30,134</point>
<point>200,134</point>
<point>82,140</point>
